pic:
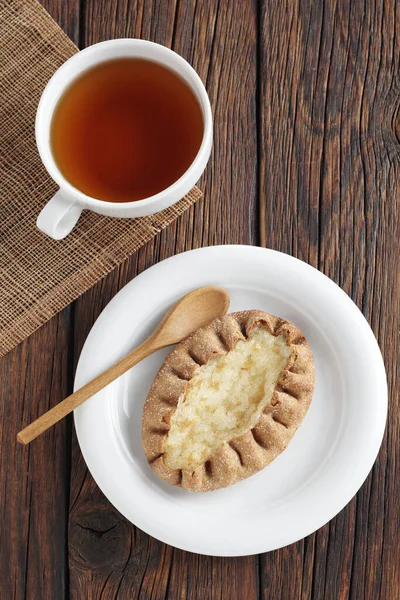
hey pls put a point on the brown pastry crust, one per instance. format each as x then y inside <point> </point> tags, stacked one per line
<point>249,453</point>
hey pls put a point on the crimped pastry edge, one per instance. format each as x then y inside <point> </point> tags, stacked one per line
<point>250,452</point>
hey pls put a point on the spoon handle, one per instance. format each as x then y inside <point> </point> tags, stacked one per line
<point>61,410</point>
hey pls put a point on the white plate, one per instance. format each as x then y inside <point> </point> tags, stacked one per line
<point>324,465</point>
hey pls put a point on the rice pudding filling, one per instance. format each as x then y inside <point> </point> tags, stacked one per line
<point>225,398</point>
<point>227,401</point>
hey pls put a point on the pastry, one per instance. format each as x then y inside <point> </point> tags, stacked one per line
<point>227,400</point>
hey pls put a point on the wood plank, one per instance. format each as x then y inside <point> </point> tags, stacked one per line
<point>67,15</point>
<point>34,481</point>
<point>329,187</point>
<point>110,558</point>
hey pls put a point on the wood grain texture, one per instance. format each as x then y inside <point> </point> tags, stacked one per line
<point>306,102</point>
<point>329,194</point>
<point>35,481</point>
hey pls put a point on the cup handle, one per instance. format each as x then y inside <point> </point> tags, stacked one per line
<point>59,216</point>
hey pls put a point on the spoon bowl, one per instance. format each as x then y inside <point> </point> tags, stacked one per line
<point>195,310</point>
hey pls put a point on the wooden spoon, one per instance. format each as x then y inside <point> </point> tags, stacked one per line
<point>196,309</point>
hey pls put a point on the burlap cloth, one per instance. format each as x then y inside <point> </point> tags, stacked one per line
<point>39,276</point>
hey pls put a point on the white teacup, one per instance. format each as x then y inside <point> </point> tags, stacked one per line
<point>61,213</point>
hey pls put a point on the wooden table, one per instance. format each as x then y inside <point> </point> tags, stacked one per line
<point>306,160</point>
